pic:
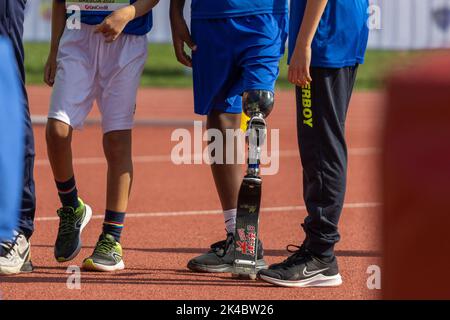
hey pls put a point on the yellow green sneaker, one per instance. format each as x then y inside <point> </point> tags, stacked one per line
<point>107,255</point>
<point>71,224</point>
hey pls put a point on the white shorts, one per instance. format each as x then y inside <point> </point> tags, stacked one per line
<point>90,69</point>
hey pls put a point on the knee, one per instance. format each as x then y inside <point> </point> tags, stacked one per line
<point>57,134</point>
<point>117,148</point>
<point>258,102</point>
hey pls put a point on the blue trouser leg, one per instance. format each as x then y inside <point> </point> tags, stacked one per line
<point>11,143</point>
<point>11,26</point>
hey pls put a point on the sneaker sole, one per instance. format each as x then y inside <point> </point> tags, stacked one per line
<point>86,220</point>
<point>26,267</point>
<point>222,268</point>
<point>319,280</point>
<point>4,271</point>
<point>90,265</point>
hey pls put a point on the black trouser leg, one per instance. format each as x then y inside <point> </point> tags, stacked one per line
<point>321,113</point>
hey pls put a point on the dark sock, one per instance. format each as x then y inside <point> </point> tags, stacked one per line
<point>113,223</point>
<point>68,193</point>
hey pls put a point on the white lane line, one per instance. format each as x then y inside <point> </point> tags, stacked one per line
<point>41,120</point>
<point>102,160</point>
<point>211,212</point>
<point>166,158</point>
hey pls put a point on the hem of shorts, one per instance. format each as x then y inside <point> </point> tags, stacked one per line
<point>233,110</point>
<point>65,120</point>
<point>205,16</point>
<point>337,65</point>
<point>209,110</point>
<point>262,88</point>
<point>118,128</point>
<point>334,64</point>
<point>145,32</point>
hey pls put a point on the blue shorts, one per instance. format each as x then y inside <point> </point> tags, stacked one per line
<point>235,55</point>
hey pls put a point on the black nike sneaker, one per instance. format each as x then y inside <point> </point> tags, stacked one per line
<point>71,224</point>
<point>302,269</point>
<point>220,258</point>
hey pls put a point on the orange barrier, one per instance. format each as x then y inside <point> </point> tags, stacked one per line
<point>416,172</point>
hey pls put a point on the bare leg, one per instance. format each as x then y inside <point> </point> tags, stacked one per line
<point>117,148</point>
<point>59,140</point>
<point>227,177</point>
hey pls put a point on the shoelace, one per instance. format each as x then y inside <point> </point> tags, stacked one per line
<point>223,246</point>
<point>67,221</point>
<point>298,253</point>
<point>104,246</point>
<point>8,246</point>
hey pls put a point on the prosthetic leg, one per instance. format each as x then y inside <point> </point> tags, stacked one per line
<point>257,106</point>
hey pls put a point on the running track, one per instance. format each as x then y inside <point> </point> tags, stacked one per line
<point>174,210</point>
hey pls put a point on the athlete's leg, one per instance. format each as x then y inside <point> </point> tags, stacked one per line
<point>120,67</point>
<point>257,105</point>
<point>117,149</point>
<point>251,63</point>
<point>119,79</point>
<point>260,64</point>
<point>74,212</point>
<point>215,75</point>
<point>227,177</point>
<point>107,255</point>
<point>258,102</point>
<point>59,139</point>
<point>216,94</point>
<point>321,114</point>
<point>72,99</point>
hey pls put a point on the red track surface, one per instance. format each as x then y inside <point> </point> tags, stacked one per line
<point>157,246</point>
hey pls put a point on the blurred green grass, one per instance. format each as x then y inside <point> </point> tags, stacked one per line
<point>163,70</point>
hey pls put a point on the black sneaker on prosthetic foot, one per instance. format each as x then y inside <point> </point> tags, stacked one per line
<point>302,269</point>
<point>220,258</point>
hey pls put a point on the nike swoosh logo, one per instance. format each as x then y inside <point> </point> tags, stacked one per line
<point>79,222</point>
<point>117,257</point>
<point>307,273</point>
<point>22,255</point>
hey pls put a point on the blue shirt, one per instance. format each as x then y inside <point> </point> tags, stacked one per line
<point>11,141</point>
<point>342,35</point>
<point>210,9</point>
<point>139,26</point>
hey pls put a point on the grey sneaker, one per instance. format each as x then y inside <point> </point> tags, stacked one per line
<point>220,258</point>
<point>71,224</point>
<point>107,255</point>
<point>15,255</point>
